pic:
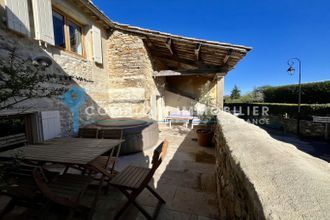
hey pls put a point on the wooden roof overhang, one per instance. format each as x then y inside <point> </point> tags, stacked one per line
<point>178,55</point>
<point>188,56</point>
<point>87,7</point>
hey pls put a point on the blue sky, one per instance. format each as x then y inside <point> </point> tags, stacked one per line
<point>276,29</point>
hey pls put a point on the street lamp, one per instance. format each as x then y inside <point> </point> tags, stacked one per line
<point>291,70</point>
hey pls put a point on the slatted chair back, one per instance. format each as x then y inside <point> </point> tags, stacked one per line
<point>21,175</point>
<point>20,187</point>
<point>113,134</point>
<point>41,181</point>
<point>159,155</point>
<point>88,133</point>
<point>12,140</point>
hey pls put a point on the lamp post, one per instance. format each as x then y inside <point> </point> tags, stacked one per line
<point>291,70</point>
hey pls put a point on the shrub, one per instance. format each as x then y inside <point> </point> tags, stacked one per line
<point>307,110</point>
<point>318,92</point>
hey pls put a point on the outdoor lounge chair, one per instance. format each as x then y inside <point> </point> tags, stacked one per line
<point>65,190</point>
<point>133,180</point>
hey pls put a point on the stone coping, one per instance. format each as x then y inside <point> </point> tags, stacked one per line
<point>289,183</point>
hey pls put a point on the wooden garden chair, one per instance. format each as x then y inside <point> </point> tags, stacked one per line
<point>133,180</point>
<point>65,190</point>
<point>109,161</point>
<point>88,133</point>
<point>83,133</point>
<point>21,187</point>
<point>105,165</point>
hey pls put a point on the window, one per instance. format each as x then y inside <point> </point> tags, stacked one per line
<point>75,38</point>
<point>68,34</point>
<point>58,21</point>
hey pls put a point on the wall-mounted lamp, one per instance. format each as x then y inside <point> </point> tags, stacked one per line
<point>42,61</point>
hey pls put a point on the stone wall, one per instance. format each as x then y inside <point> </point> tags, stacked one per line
<point>259,177</point>
<point>175,103</point>
<point>122,86</point>
<point>130,69</point>
<point>64,63</point>
<point>307,128</point>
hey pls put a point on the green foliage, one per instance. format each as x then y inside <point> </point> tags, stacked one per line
<point>20,80</point>
<point>235,93</point>
<point>312,93</point>
<point>255,96</point>
<point>307,110</point>
<point>205,97</point>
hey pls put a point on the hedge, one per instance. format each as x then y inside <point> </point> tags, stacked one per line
<point>318,92</point>
<point>307,110</point>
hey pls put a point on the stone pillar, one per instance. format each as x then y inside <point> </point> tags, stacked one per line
<point>220,90</point>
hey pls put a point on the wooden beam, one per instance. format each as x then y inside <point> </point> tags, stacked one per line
<point>224,46</point>
<point>169,45</point>
<point>166,73</point>
<point>197,51</point>
<point>147,41</point>
<point>225,60</point>
<point>177,59</point>
<point>191,72</point>
<point>214,70</point>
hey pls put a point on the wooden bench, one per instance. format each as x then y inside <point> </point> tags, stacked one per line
<point>12,140</point>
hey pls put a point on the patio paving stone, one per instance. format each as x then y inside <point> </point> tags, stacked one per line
<point>185,179</point>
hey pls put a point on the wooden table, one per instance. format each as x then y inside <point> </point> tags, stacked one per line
<point>67,151</point>
<point>78,151</point>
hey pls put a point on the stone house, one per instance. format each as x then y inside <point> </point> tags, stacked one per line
<point>126,71</point>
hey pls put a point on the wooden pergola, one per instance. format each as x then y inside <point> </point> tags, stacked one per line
<point>188,56</point>
<point>175,55</point>
<point>179,55</point>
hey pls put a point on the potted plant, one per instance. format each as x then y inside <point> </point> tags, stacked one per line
<point>205,134</point>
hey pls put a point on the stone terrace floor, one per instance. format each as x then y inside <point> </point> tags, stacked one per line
<point>185,179</point>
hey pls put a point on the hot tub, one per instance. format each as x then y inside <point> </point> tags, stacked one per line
<point>139,134</point>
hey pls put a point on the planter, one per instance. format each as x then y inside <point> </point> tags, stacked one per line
<point>204,137</point>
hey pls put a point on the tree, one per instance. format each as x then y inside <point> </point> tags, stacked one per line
<point>21,79</point>
<point>235,93</point>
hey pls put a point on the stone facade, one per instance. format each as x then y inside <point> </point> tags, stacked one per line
<point>131,86</point>
<point>259,177</point>
<point>123,86</point>
<point>64,63</point>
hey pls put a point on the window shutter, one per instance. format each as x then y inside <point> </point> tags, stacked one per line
<point>43,20</point>
<point>17,12</point>
<point>97,45</point>
<point>51,125</point>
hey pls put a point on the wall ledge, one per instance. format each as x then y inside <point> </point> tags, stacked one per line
<point>273,178</point>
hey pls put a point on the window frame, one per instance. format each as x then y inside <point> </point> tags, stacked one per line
<point>67,47</point>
